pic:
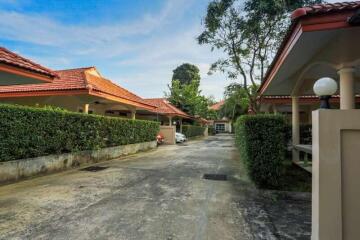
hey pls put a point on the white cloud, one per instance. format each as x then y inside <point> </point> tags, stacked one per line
<point>152,44</point>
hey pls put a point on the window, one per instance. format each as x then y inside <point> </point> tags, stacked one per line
<point>220,127</point>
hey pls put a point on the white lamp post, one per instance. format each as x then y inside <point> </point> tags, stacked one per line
<point>324,88</point>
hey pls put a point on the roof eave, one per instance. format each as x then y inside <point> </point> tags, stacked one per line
<point>13,69</point>
<point>303,22</point>
<point>39,93</point>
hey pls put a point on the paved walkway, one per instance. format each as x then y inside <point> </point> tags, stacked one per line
<point>155,195</point>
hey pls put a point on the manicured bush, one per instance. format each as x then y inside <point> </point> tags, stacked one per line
<point>261,141</point>
<point>193,131</point>
<point>27,132</point>
<point>211,130</point>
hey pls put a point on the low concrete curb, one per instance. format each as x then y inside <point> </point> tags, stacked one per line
<point>14,170</point>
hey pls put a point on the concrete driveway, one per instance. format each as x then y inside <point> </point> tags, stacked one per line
<point>154,195</point>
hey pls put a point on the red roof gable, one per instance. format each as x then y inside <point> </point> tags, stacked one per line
<point>13,59</point>
<point>165,107</point>
<point>75,79</point>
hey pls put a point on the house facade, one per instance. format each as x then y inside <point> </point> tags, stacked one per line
<point>79,90</point>
<point>221,125</point>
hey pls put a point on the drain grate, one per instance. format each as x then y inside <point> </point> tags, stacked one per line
<point>216,177</point>
<point>93,169</point>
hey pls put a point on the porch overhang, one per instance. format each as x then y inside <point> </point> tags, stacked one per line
<point>84,96</point>
<point>315,46</point>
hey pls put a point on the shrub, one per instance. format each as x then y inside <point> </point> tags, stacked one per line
<point>193,131</point>
<point>27,132</point>
<point>261,141</point>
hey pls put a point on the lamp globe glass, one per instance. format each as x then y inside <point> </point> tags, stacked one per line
<point>325,87</point>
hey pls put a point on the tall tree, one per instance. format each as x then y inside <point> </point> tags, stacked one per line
<point>187,73</point>
<point>248,32</point>
<point>188,98</point>
<point>184,91</point>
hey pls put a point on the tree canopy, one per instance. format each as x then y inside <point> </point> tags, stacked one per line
<point>248,32</point>
<point>184,91</point>
<point>236,102</point>
<point>186,73</point>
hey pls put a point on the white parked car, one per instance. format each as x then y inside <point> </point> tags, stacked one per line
<point>179,137</point>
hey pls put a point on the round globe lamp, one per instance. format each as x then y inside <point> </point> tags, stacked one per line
<point>324,88</point>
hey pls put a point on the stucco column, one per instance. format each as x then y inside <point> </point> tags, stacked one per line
<point>170,120</point>
<point>86,108</point>
<point>347,95</point>
<point>133,114</point>
<point>295,127</point>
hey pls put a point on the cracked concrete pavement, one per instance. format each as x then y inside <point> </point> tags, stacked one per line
<point>154,195</point>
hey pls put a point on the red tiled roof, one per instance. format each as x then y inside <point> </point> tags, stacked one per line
<point>76,79</point>
<point>106,86</point>
<point>165,107</point>
<point>69,79</point>
<point>324,8</point>
<point>13,59</point>
<point>218,105</point>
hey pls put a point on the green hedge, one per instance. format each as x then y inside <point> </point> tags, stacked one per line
<point>27,132</point>
<point>193,131</point>
<point>261,141</point>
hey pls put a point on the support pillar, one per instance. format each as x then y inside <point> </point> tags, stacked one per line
<point>347,94</point>
<point>275,109</point>
<point>170,120</point>
<point>133,114</point>
<point>86,108</point>
<point>295,127</point>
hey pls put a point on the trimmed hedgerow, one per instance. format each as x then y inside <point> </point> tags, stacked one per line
<point>27,132</point>
<point>192,131</point>
<point>261,141</point>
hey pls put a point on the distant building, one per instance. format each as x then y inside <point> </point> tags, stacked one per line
<point>221,125</point>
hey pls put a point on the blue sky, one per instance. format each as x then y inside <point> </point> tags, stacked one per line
<point>135,43</point>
